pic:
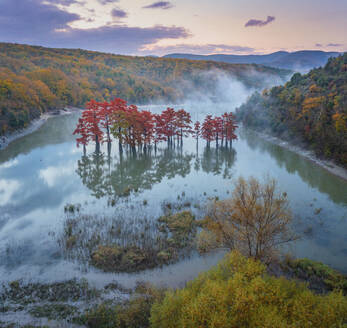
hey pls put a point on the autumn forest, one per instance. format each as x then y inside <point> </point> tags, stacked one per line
<point>34,80</point>
<point>310,108</point>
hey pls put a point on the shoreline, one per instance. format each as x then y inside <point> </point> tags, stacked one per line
<point>34,125</point>
<point>328,165</point>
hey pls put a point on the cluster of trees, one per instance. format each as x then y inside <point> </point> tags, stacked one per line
<point>140,129</point>
<point>220,128</point>
<point>311,107</point>
<point>34,80</point>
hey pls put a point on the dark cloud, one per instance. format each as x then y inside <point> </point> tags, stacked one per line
<point>39,23</point>
<point>104,2</point>
<point>117,39</point>
<point>334,45</point>
<point>260,23</point>
<point>22,20</point>
<point>159,5</point>
<point>63,2</point>
<point>119,13</point>
<point>204,49</point>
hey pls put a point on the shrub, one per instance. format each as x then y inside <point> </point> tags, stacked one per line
<point>255,220</point>
<point>238,293</point>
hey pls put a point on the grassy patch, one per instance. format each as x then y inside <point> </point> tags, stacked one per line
<point>116,258</point>
<point>311,270</point>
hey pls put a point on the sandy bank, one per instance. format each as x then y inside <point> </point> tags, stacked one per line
<point>34,125</point>
<point>326,164</point>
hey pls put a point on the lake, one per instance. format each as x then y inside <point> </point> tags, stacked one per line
<point>43,172</point>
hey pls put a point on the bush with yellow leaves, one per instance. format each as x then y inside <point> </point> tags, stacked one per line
<point>238,293</point>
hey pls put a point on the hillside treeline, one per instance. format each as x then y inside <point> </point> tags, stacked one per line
<point>36,79</point>
<point>311,108</point>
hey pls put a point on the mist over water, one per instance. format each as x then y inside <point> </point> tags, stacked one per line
<point>225,92</point>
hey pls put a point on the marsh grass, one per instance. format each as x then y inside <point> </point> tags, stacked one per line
<point>319,276</point>
<point>130,240</point>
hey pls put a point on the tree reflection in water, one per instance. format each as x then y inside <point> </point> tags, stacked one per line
<point>314,175</point>
<point>135,172</point>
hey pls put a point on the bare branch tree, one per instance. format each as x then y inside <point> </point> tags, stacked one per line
<point>255,220</point>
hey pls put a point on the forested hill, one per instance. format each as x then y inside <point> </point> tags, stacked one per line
<point>303,60</point>
<point>311,107</point>
<point>36,79</point>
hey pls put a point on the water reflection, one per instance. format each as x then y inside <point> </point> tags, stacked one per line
<point>42,172</point>
<point>314,175</point>
<point>54,132</point>
<point>218,161</point>
<point>129,172</point>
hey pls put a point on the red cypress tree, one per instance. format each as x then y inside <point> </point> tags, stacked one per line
<point>196,132</point>
<point>230,127</point>
<point>106,118</point>
<point>169,126</point>
<point>133,127</point>
<point>148,124</point>
<point>158,129</point>
<point>120,125</point>
<point>82,131</point>
<point>89,125</point>
<point>218,129</point>
<point>207,129</point>
<point>183,124</point>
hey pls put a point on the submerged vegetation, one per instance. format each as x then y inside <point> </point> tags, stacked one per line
<point>310,107</point>
<point>34,80</point>
<point>121,244</point>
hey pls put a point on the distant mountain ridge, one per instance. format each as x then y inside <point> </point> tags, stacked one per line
<point>298,61</point>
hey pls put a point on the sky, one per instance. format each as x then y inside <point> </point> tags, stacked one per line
<point>149,27</point>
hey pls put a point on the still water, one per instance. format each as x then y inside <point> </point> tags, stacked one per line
<point>42,172</point>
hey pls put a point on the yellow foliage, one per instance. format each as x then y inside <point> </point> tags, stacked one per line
<point>340,122</point>
<point>255,220</point>
<point>315,89</point>
<point>238,293</point>
<point>313,102</point>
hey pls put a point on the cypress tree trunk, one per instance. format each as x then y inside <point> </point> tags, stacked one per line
<point>97,144</point>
